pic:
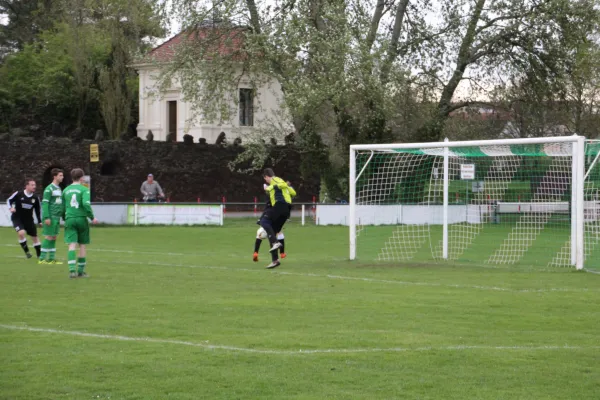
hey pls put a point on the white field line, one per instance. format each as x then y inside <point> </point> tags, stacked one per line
<point>329,276</point>
<point>356,278</point>
<point>207,346</point>
<point>158,253</point>
<point>200,254</point>
<point>132,251</point>
<point>372,280</point>
<point>591,271</point>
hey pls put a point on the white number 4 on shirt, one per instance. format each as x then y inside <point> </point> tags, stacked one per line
<point>74,202</point>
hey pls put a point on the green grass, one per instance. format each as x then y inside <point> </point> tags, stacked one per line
<point>486,240</point>
<point>367,330</point>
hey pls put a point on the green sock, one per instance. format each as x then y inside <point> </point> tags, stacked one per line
<point>44,250</point>
<point>51,250</point>
<point>80,265</point>
<point>72,257</point>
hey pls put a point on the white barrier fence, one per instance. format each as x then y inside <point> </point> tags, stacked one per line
<point>174,214</point>
<point>399,214</point>
<point>4,216</point>
<point>321,214</point>
<point>433,214</point>
<point>149,214</point>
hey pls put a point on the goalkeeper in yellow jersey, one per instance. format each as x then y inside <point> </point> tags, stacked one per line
<point>275,216</point>
<point>262,234</point>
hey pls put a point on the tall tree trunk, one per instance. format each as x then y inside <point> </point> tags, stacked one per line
<point>254,21</point>
<point>392,52</point>
<point>433,130</point>
<point>377,14</point>
<point>579,104</point>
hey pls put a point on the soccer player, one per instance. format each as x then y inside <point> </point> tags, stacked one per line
<point>22,204</point>
<point>52,210</point>
<point>280,235</point>
<point>77,209</point>
<point>273,219</point>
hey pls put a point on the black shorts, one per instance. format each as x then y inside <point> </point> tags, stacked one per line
<point>278,226</point>
<point>278,214</point>
<point>24,225</point>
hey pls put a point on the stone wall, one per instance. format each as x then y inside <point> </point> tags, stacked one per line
<point>185,171</point>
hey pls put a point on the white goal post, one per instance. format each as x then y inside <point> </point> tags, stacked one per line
<point>514,201</point>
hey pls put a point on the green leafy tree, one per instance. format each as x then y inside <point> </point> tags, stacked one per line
<point>78,70</point>
<point>26,19</point>
<point>347,66</point>
<point>43,79</point>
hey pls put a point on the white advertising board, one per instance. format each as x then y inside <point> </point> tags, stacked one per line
<point>175,214</point>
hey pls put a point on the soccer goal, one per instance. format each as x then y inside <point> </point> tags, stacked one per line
<point>517,201</point>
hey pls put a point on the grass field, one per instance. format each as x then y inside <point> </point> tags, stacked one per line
<point>183,313</point>
<point>484,241</point>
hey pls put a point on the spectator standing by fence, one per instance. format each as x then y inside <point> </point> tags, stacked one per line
<point>151,190</point>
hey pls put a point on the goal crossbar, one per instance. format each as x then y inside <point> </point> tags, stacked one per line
<point>466,143</point>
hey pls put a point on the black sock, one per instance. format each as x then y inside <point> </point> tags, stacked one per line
<point>274,255</point>
<point>257,245</point>
<point>38,249</point>
<point>282,248</point>
<point>24,246</point>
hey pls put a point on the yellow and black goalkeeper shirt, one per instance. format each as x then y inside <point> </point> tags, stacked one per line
<point>280,192</point>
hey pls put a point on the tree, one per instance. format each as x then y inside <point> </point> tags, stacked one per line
<point>510,39</point>
<point>42,79</point>
<point>124,25</point>
<point>26,20</point>
<point>582,93</point>
<point>346,65</point>
<point>78,70</point>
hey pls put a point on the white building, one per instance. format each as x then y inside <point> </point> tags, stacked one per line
<point>168,113</point>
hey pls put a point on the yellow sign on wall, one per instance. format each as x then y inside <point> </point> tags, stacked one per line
<point>94,153</point>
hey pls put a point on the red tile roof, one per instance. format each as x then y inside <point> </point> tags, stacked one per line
<point>225,41</point>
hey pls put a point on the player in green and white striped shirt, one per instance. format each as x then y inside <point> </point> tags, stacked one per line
<point>52,210</point>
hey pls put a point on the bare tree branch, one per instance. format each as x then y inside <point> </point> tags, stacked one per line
<point>463,104</point>
<point>254,20</point>
<point>377,14</point>
<point>392,52</point>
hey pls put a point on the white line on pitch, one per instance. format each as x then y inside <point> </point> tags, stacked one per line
<point>207,346</point>
<point>338,277</point>
<point>591,271</point>
<point>356,278</point>
<point>130,251</point>
<point>158,253</point>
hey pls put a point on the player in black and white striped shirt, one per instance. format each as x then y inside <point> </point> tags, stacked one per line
<point>22,205</point>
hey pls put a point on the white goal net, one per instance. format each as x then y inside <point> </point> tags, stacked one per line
<point>516,202</point>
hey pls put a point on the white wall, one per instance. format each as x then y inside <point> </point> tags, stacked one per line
<point>153,111</point>
<point>433,214</point>
<point>399,214</point>
<point>147,214</point>
<point>4,215</point>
